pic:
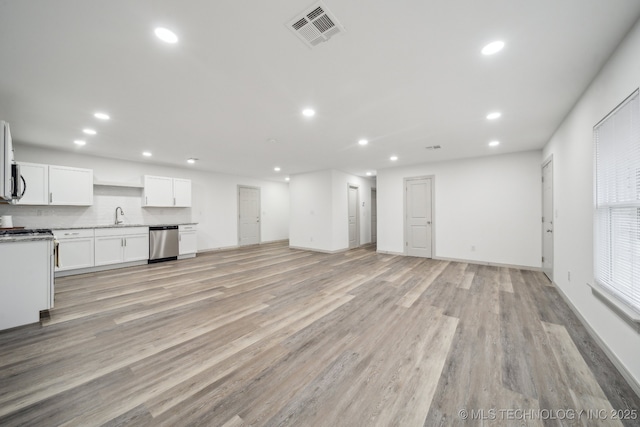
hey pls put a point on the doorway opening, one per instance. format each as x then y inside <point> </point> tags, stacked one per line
<point>547,218</point>
<point>354,223</point>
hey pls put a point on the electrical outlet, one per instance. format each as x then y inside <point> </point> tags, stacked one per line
<point>473,248</point>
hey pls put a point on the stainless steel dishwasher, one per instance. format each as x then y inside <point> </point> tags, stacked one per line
<point>163,243</point>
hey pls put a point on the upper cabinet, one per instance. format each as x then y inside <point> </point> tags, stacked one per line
<point>56,185</point>
<point>36,176</point>
<point>70,186</point>
<point>182,192</point>
<point>162,191</point>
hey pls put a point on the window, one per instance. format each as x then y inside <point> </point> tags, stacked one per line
<point>617,202</point>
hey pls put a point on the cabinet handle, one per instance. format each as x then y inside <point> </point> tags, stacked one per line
<point>122,241</point>
<point>174,201</point>
<point>71,234</point>
<point>146,200</point>
<point>179,237</point>
<point>125,241</point>
<point>50,197</point>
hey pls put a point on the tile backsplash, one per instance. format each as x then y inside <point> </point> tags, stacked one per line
<point>102,212</point>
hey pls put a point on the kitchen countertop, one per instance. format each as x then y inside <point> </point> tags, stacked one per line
<point>88,227</point>
<point>23,238</point>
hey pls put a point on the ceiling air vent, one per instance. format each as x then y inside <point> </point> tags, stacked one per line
<point>315,25</point>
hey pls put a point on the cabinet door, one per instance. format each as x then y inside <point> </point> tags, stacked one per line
<point>75,253</point>
<point>109,250</point>
<point>158,191</point>
<point>182,192</point>
<point>188,243</point>
<point>36,177</point>
<point>70,186</point>
<point>136,248</point>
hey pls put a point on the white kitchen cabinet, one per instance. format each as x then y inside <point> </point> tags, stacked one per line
<point>27,283</point>
<point>162,191</point>
<point>118,245</point>
<point>136,248</point>
<point>56,185</point>
<point>36,177</point>
<point>158,191</point>
<point>187,241</point>
<point>75,249</point>
<point>70,186</point>
<point>182,192</point>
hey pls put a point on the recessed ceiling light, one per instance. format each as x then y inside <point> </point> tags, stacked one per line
<point>101,116</point>
<point>369,173</point>
<point>287,179</point>
<point>79,142</point>
<point>277,169</point>
<point>393,158</point>
<point>146,153</point>
<point>191,160</point>
<point>308,112</point>
<point>493,47</point>
<point>89,131</point>
<point>363,142</point>
<point>166,35</point>
<point>494,143</point>
<point>494,115</point>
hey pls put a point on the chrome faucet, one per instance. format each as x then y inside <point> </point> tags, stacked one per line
<point>119,219</point>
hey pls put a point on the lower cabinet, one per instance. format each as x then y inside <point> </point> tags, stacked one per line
<point>75,249</point>
<point>188,241</point>
<point>118,245</point>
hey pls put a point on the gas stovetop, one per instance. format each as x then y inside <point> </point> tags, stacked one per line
<point>27,232</point>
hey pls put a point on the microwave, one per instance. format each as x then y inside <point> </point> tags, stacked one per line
<point>12,184</point>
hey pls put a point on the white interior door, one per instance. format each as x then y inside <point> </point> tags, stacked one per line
<point>374,215</point>
<point>353,216</point>
<point>547,219</point>
<point>418,213</point>
<point>248,216</point>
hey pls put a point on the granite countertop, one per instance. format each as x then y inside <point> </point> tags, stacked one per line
<point>23,238</point>
<point>88,227</point>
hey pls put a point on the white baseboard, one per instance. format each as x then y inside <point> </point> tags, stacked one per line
<point>490,264</point>
<point>610,354</point>
<point>390,252</point>
<point>228,248</point>
<point>318,250</point>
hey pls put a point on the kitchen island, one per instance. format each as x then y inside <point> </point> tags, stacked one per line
<point>27,285</point>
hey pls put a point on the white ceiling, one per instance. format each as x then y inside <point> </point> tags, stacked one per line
<point>405,75</point>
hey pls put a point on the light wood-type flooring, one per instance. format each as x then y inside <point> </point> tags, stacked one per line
<point>267,335</point>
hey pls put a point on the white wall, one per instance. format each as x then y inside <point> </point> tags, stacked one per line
<point>319,212</point>
<point>572,150</point>
<point>492,203</point>
<point>214,196</point>
<point>311,211</point>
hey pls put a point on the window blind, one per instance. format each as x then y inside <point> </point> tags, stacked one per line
<point>617,202</point>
